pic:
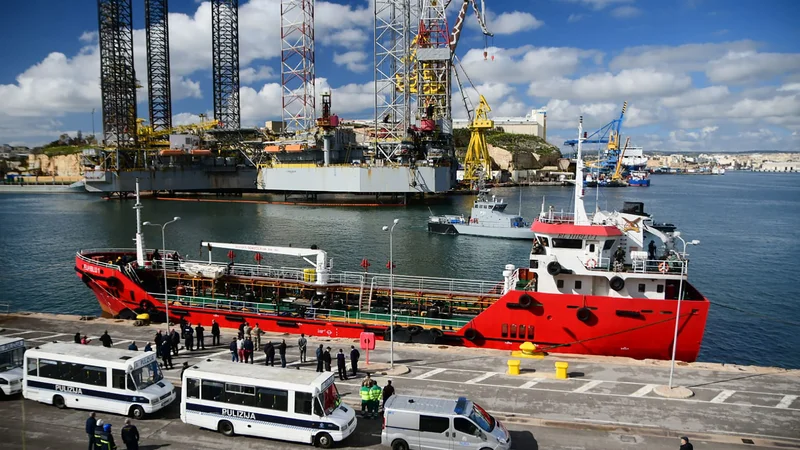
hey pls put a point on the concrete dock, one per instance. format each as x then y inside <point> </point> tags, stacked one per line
<point>606,402</point>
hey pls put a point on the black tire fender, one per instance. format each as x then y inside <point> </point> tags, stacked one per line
<point>616,283</point>
<point>414,330</point>
<point>471,334</point>
<point>584,314</point>
<point>525,301</point>
<point>437,332</point>
<point>554,268</point>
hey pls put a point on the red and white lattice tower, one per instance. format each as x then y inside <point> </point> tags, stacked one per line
<point>297,65</point>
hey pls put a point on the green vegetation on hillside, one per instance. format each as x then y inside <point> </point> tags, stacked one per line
<point>549,154</point>
<point>57,150</point>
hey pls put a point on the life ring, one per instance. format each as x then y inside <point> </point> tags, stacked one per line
<point>591,263</point>
<point>663,267</point>
<point>554,268</point>
<point>584,314</point>
<point>616,283</point>
<point>471,334</point>
<point>525,300</point>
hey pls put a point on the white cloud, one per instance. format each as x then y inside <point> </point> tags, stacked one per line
<point>625,12</point>
<point>704,96</point>
<point>605,86</point>
<point>88,37</point>
<point>501,97</point>
<point>737,67</point>
<point>681,58</point>
<point>354,61</point>
<point>599,4</point>
<point>574,18</point>
<point>790,87</point>
<point>251,75</point>
<point>507,22</point>
<point>516,65</point>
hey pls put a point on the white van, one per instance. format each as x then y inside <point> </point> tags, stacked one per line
<point>11,351</point>
<point>419,423</point>
<point>268,402</point>
<point>113,380</point>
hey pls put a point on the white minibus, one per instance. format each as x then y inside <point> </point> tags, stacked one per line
<point>11,351</point>
<point>96,378</point>
<point>268,402</point>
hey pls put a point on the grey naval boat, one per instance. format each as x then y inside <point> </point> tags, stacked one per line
<point>487,219</point>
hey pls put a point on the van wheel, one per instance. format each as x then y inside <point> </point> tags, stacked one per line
<point>58,402</point>
<point>324,440</point>
<point>399,445</point>
<point>225,428</point>
<point>137,412</point>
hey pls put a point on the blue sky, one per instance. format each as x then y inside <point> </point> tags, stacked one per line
<point>698,74</point>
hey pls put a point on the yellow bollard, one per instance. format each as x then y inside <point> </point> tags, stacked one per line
<point>513,367</point>
<point>561,370</point>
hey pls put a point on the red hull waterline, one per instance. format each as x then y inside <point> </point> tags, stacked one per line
<point>637,328</point>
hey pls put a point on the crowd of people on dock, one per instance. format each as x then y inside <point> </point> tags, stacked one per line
<point>101,436</point>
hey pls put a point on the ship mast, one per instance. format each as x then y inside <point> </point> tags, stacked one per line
<point>580,217</point>
<point>139,235</point>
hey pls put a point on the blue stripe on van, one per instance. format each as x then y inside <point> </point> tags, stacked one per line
<point>259,417</point>
<point>86,391</point>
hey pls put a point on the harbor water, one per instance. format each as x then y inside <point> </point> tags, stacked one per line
<point>746,263</point>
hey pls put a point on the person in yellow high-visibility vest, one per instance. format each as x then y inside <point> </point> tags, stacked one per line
<point>375,399</point>
<point>365,400</point>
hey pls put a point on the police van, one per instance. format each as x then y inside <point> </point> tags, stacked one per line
<point>11,351</point>
<point>96,378</point>
<point>269,402</point>
<point>420,423</point>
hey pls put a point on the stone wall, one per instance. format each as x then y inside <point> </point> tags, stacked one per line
<point>62,165</point>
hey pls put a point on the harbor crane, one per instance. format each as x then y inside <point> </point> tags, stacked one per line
<point>608,134</point>
<point>477,162</point>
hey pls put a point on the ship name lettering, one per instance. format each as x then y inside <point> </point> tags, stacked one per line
<point>238,414</point>
<point>70,389</point>
<point>92,269</point>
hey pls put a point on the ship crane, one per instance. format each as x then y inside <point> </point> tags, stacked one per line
<point>477,162</point>
<point>607,134</point>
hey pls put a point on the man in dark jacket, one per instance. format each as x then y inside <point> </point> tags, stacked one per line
<point>175,340</point>
<point>248,350</point>
<point>91,423</point>
<point>166,355</point>
<point>326,358</point>
<point>106,339</point>
<point>189,334</point>
<point>214,333</point>
<point>77,338</point>
<point>320,351</point>
<point>158,340</point>
<point>130,435</point>
<point>341,364</point>
<point>685,444</point>
<point>282,352</point>
<point>354,355</point>
<point>388,391</point>
<point>200,333</point>
<point>269,350</point>
<point>103,438</point>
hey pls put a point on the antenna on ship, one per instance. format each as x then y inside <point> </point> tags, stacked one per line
<point>139,235</point>
<point>580,212</point>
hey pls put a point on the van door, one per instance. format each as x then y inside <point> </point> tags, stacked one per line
<point>467,435</point>
<point>434,433</point>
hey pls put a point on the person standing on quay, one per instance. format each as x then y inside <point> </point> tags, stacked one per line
<point>326,357</point>
<point>130,435</point>
<point>234,350</point>
<point>282,351</point>
<point>175,340</point>
<point>248,350</point>
<point>319,358</point>
<point>685,444</point>
<point>341,365</point>
<point>200,333</point>
<point>166,355</point>
<point>214,333</point>
<point>91,423</point>
<point>133,347</point>
<point>158,339</point>
<point>77,337</point>
<point>106,339</point>
<point>269,351</point>
<point>257,332</point>
<point>301,343</point>
<point>354,355</point>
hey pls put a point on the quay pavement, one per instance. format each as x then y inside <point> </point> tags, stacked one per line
<point>606,402</point>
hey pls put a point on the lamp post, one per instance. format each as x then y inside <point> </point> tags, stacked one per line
<point>391,293</point>
<point>163,261</point>
<point>684,267</point>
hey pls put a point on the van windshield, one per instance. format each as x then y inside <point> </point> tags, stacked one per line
<point>482,418</point>
<point>11,359</point>
<point>147,376</point>
<point>330,399</point>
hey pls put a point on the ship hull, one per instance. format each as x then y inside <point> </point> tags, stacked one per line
<point>636,328</point>
<point>498,232</point>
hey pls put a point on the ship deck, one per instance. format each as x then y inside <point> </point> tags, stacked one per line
<point>604,402</point>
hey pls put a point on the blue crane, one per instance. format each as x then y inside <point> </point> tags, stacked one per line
<point>608,134</point>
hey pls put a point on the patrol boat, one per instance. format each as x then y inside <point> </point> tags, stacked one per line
<point>589,288</point>
<point>487,218</point>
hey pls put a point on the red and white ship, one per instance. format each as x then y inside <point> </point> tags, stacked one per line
<point>591,288</point>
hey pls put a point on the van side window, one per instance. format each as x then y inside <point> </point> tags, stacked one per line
<point>302,403</point>
<point>433,424</point>
<point>192,388</point>
<point>32,367</point>
<point>465,426</point>
<point>118,379</point>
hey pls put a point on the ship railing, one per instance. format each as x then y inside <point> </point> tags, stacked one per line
<point>384,281</point>
<point>556,217</point>
<point>504,224</point>
<point>602,264</point>
<point>663,266</point>
<point>234,305</point>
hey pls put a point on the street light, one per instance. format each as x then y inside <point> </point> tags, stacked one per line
<point>391,293</point>
<point>163,261</point>
<point>684,270</point>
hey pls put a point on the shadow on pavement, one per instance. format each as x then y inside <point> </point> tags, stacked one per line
<point>523,440</point>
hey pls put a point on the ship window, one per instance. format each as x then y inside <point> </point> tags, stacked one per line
<point>534,264</point>
<point>544,241</point>
<point>609,244</point>
<point>504,330</point>
<point>513,330</point>
<point>660,288</point>
<point>641,287</point>
<point>560,283</point>
<point>522,331</point>
<point>591,248</point>
<point>530,332</point>
<point>578,284</point>
<point>567,243</point>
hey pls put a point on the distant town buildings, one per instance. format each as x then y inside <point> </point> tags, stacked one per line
<point>533,124</point>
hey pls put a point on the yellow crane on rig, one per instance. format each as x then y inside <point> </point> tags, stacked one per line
<point>477,162</point>
<point>617,176</point>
